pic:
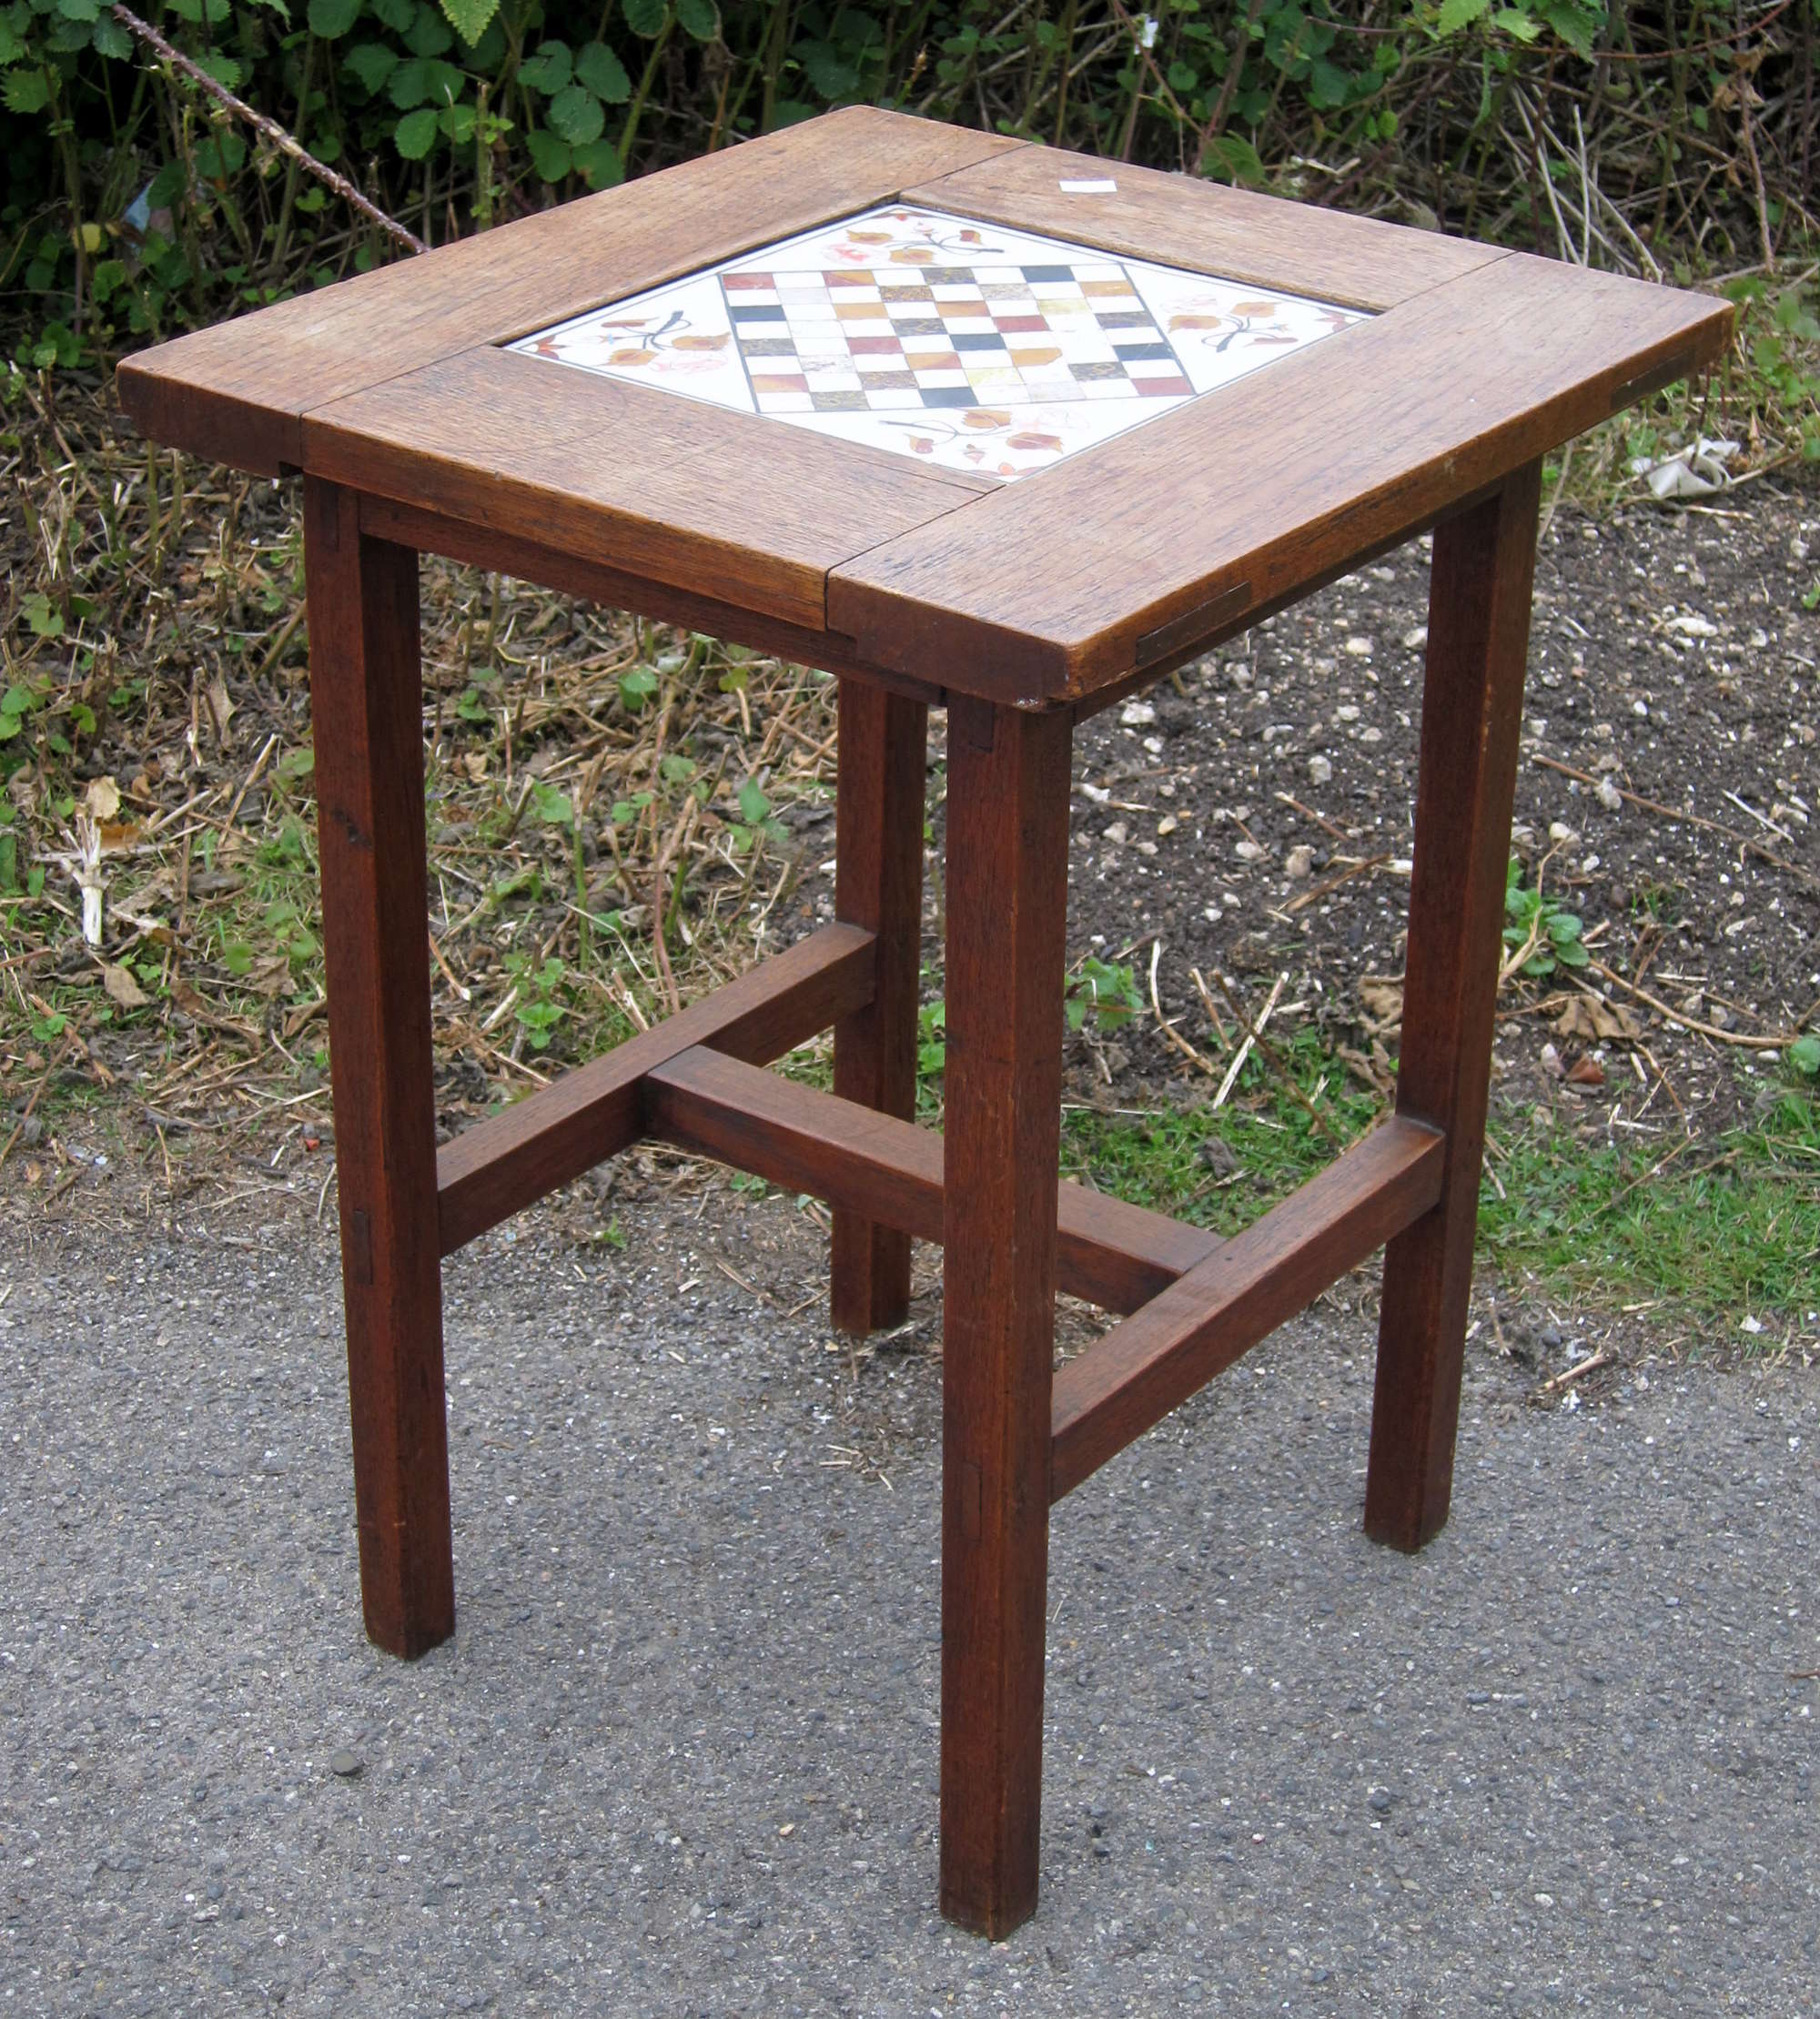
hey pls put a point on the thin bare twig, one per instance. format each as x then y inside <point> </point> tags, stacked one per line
<point>1168,1029</point>
<point>1603,1357</point>
<point>1739,1038</point>
<point>1250,1031</point>
<point>1687,819</point>
<point>1255,1036</point>
<point>275,133</point>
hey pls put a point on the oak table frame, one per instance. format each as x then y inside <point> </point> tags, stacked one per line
<point>1021,608</point>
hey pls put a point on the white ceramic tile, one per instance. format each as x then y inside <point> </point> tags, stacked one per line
<point>938,336</point>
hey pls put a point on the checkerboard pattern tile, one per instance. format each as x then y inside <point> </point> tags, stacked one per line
<point>938,336</point>
<point>882,341</point>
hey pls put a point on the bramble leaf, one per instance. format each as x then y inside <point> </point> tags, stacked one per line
<point>415,134</point>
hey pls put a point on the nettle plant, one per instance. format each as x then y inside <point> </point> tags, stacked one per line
<point>467,74</point>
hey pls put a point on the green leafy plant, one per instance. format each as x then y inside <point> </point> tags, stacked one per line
<point>1100,990</point>
<point>290,934</point>
<point>552,806</point>
<point>637,687</point>
<point>932,1054</point>
<point>473,706</point>
<point>932,1037</point>
<point>1778,351</point>
<point>1540,927</point>
<point>539,1010</point>
<point>755,822</point>
<point>1103,990</point>
<point>289,848</point>
<point>17,706</point>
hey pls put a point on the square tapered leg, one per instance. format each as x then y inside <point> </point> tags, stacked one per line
<point>366,710</point>
<point>1478,641</point>
<point>878,884</point>
<point>1006,915</point>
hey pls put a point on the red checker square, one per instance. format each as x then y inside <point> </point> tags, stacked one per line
<point>734,282</point>
<point>874,347</point>
<point>779,381</point>
<point>1020,326</point>
<point>1154,388</point>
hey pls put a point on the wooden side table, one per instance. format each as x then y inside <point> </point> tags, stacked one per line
<point>967,423</point>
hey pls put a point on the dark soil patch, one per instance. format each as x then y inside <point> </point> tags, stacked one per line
<point>1672,662</point>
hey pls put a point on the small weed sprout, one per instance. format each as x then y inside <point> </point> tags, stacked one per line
<point>1104,990</point>
<point>1542,929</point>
<point>755,822</point>
<point>538,1011</point>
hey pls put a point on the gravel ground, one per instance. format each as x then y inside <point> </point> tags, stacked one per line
<point>681,1756</point>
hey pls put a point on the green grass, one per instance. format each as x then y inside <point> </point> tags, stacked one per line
<point>1221,1169</point>
<point>1718,1235</point>
<point>1711,1233</point>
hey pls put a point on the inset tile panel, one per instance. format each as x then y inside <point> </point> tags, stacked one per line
<point>962,343</point>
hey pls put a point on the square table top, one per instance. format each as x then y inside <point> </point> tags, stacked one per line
<point>972,413</point>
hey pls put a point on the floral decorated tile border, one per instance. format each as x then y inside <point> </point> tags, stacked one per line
<point>964,343</point>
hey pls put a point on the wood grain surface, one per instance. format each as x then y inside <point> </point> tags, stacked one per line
<point>878,886</point>
<point>1125,558</point>
<point>670,490</point>
<point>881,1169</point>
<point>237,393</point>
<point>1006,915</point>
<point>367,706</point>
<point>1159,1357</point>
<point>1472,697</point>
<point>482,547</point>
<point>1048,585</point>
<point>1182,221</point>
<point>527,1150</point>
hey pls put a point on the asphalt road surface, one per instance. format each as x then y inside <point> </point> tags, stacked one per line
<point>680,1757</point>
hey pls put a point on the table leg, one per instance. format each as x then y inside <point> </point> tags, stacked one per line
<point>367,707</point>
<point>1477,640</point>
<point>1007,916</point>
<point>878,884</point>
